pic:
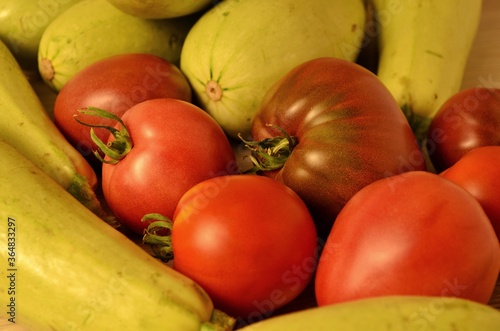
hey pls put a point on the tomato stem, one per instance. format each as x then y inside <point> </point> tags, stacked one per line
<point>158,235</point>
<point>115,150</point>
<point>418,123</point>
<point>270,153</point>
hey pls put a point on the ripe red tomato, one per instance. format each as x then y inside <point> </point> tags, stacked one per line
<point>115,84</point>
<point>348,128</point>
<point>478,172</point>
<point>248,240</point>
<point>468,119</point>
<point>175,145</point>
<point>414,233</point>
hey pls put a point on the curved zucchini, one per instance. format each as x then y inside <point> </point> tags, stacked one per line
<point>424,53</point>
<point>62,268</point>
<point>389,313</point>
<point>25,124</point>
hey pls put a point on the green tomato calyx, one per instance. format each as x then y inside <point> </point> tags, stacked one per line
<point>114,150</point>
<point>270,153</point>
<point>158,235</point>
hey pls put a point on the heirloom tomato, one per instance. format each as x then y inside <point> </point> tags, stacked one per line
<point>248,240</point>
<point>333,128</point>
<point>478,172</point>
<point>163,148</point>
<point>468,119</point>
<point>115,84</point>
<point>411,234</point>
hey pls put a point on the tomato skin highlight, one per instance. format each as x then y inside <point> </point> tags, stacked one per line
<point>349,128</point>
<point>248,240</point>
<point>478,172</point>
<point>413,233</point>
<point>114,84</point>
<point>468,119</point>
<point>175,145</point>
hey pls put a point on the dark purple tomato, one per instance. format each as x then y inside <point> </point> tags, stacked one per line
<point>346,131</point>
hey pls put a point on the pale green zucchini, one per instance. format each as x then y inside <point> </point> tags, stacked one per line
<point>63,268</point>
<point>25,124</point>
<point>22,23</point>
<point>389,313</point>
<point>239,48</point>
<point>156,9</point>
<point>94,29</point>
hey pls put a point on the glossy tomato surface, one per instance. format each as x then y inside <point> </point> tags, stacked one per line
<point>415,233</point>
<point>175,145</point>
<point>114,84</point>
<point>478,172</point>
<point>248,240</point>
<point>468,119</point>
<point>349,130</point>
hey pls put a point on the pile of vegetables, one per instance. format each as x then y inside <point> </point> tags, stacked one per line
<point>212,175</point>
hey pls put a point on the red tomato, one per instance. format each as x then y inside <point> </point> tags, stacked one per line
<point>414,233</point>
<point>248,240</point>
<point>349,132</point>
<point>175,145</point>
<point>115,84</point>
<point>478,172</point>
<point>469,119</point>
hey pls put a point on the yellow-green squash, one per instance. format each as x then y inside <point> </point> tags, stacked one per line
<point>94,29</point>
<point>62,268</point>
<point>239,48</point>
<point>155,9</point>
<point>22,23</point>
<point>26,125</point>
<point>389,313</point>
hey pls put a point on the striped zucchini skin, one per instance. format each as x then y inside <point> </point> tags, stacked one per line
<point>94,29</point>
<point>239,48</point>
